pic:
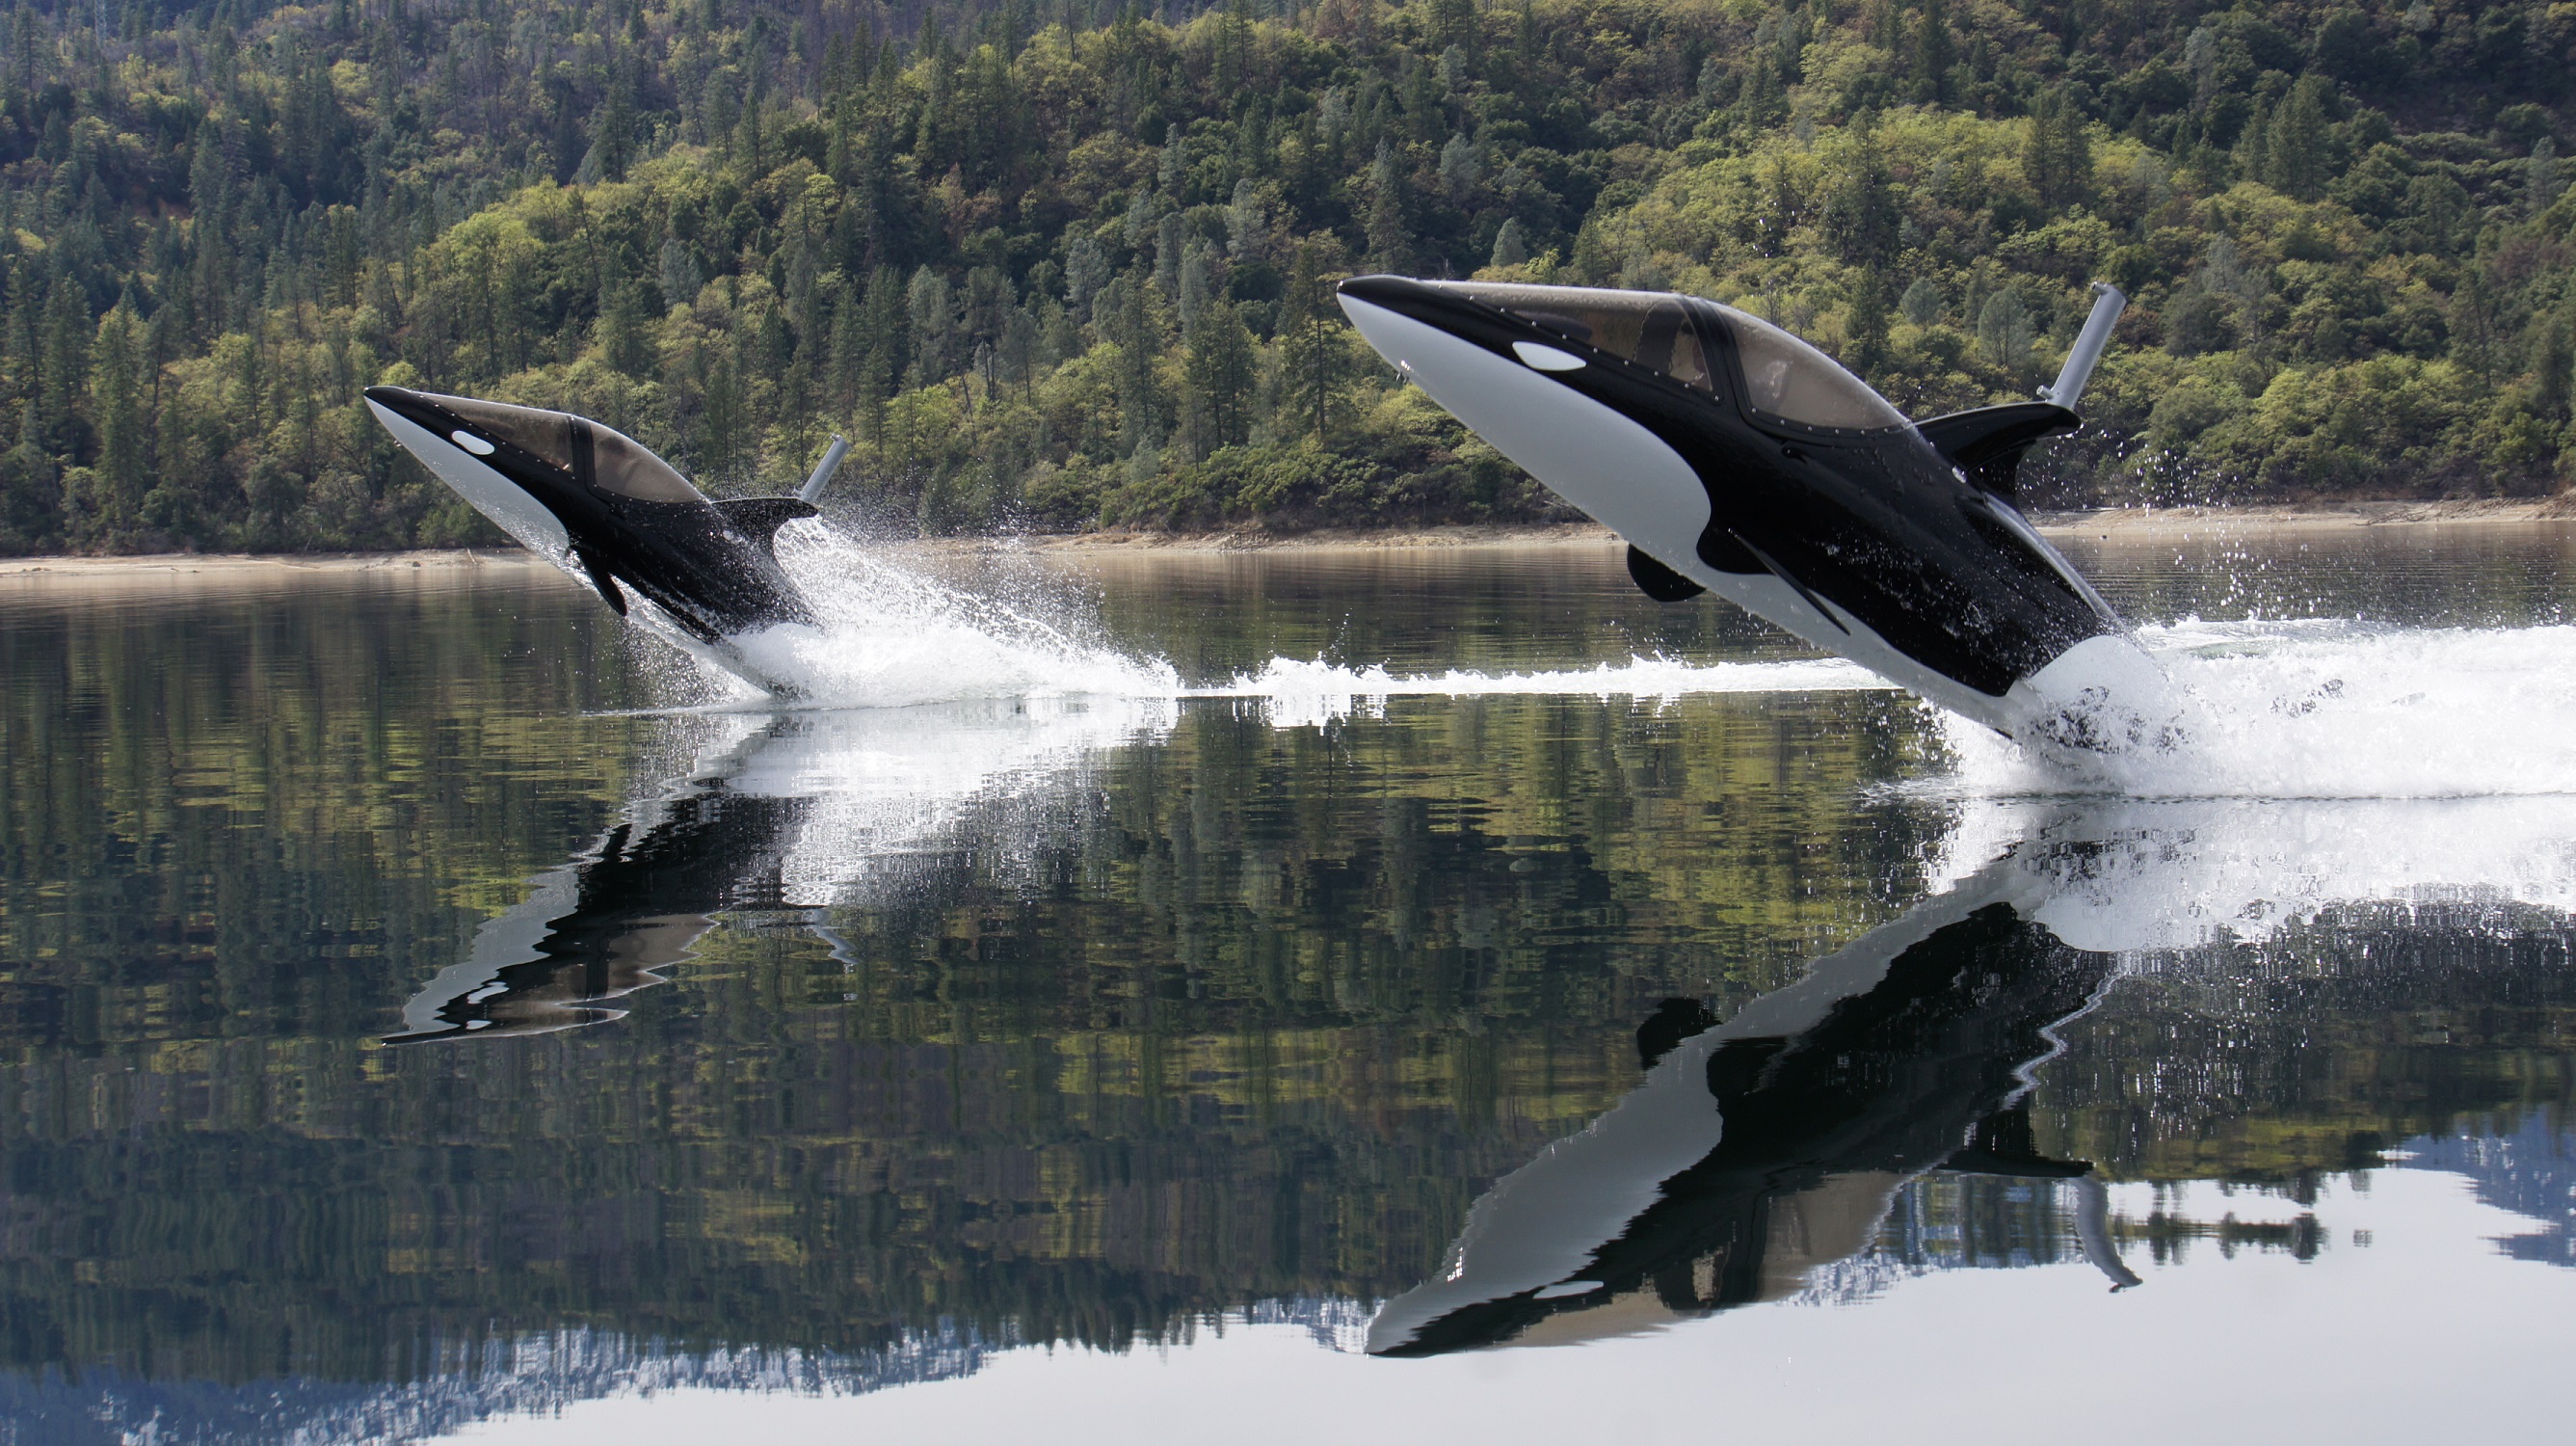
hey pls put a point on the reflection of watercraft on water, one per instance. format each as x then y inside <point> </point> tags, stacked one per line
<point>1763,1148</point>
<point>1766,1146</point>
<point>788,813</point>
<point>600,506</point>
<point>1739,460</point>
<point>606,925</point>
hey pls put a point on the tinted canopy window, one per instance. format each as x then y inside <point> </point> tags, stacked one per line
<point>1789,379</point>
<point>621,465</point>
<point>1652,329</point>
<point>530,429</point>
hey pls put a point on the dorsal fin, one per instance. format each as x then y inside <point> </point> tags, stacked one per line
<point>759,518</point>
<point>1987,443</point>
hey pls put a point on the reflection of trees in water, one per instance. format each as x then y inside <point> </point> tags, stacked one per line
<point>1250,1023</point>
<point>2324,1044</point>
<point>529,1374</point>
<point>1256,1021</point>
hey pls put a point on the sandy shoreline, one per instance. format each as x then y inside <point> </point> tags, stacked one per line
<point>2111,524</point>
<point>186,564</point>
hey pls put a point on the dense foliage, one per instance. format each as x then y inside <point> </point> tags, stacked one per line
<point>1073,268</point>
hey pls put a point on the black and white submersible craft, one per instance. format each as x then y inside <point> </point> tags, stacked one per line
<point>1739,460</point>
<point>600,506</point>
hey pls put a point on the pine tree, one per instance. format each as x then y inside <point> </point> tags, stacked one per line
<point>1314,354</point>
<point>1223,373</point>
<point>116,396</point>
<point>612,131</point>
<point>2057,153</point>
<point>64,370</point>
<point>1390,235</point>
<point>2295,146</point>
<point>1936,52</point>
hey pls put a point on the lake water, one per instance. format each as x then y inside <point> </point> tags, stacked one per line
<point>1280,994</point>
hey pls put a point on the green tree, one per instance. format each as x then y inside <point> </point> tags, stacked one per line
<point>1936,52</point>
<point>1390,231</point>
<point>1223,376</point>
<point>63,369</point>
<point>1314,350</point>
<point>2297,142</point>
<point>2057,154</point>
<point>117,408</point>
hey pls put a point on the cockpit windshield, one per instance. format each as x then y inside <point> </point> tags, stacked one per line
<point>1786,378</point>
<point>621,465</point>
<point>617,464</point>
<point>530,429</point>
<point>1653,329</point>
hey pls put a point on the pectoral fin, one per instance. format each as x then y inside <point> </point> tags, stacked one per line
<point>609,592</point>
<point>1658,581</point>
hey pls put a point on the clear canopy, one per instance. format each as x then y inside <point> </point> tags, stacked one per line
<point>618,463</point>
<point>1793,381</point>
<point>622,465</point>
<point>530,429</point>
<point>1653,329</point>
<point>1783,376</point>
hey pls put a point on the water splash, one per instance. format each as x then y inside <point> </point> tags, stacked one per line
<point>2318,708</point>
<point>1312,694</point>
<point>894,637</point>
<point>2323,708</point>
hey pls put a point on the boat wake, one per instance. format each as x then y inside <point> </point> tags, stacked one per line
<point>2318,708</point>
<point>895,637</point>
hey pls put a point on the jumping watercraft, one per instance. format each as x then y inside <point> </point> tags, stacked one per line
<point>1737,459</point>
<point>602,507</point>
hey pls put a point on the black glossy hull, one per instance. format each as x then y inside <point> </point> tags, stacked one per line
<point>1867,540</point>
<point>705,568</point>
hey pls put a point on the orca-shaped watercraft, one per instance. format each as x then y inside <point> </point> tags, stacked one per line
<point>603,508</point>
<point>1737,459</point>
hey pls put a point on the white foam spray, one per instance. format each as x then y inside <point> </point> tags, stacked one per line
<point>1312,694</point>
<point>2297,709</point>
<point>895,637</point>
<point>2323,709</point>
<point>892,637</point>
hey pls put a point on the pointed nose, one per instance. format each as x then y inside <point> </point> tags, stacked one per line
<point>462,457</point>
<point>409,405</point>
<point>1391,292</point>
<point>1403,296</point>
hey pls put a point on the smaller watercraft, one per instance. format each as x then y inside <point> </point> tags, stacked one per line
<point>602,507</point>
<point>1737,459</point>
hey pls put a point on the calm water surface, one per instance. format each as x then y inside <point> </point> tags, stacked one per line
<point>1520,1061</point>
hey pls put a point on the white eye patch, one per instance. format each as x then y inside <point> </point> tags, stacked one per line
<point>1546,358</point>
<point>470,442</point>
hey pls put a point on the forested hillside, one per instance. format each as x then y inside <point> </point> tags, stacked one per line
<point>1071,266</point>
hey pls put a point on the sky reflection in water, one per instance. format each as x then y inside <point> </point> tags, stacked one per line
<point>1000,1025</point>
